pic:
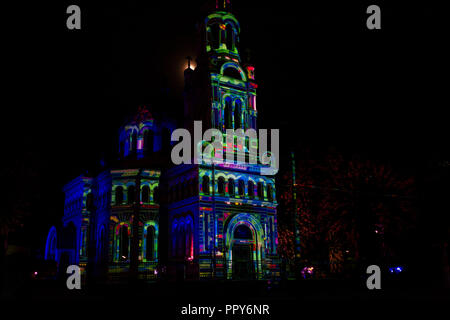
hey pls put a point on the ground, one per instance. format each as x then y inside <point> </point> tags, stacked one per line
<point>291,299</point>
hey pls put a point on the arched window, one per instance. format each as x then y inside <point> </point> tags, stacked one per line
<point>150,245</point>
<point>251,189</point>
<point>215,36</point>
<point>269,192</point>
<point>260,190</point>
<point>90,201</point>
<point>156,194</point>
<point>230,37</point>
<point>231,187</point>
<point>123,243</point>
<point>131,195</point>
<point>149,137</point>
<point>242,232</point>
<point>165,139</point>
<point>241,188</point>
<point>133,142</point>
<point>237,114</point>
<point>221,185</point>
<point>228,114</point>
<point>205,184</point>
<point>146,194</point>
<point>119,195</point>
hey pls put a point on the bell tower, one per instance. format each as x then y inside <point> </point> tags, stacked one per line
<point>233,87</point>
<point>228,221</point>
<point>221,91</point>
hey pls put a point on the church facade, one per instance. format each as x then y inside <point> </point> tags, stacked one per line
<point>146,217</point>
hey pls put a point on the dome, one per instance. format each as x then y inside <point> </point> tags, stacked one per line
<point>144,134</point>
<point>142,115</point>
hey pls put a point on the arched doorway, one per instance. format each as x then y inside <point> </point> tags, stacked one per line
<point>245,244</point>
<point>242,253</point>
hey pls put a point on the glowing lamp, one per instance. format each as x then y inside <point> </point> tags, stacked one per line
<point>396,270</point>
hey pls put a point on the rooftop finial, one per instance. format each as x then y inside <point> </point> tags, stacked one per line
<point>189,58</point>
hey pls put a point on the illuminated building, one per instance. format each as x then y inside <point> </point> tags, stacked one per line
<point>98,223</point>
<point>220,219</point>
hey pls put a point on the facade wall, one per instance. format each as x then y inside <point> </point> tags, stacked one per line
<point>219,218</point>
<point>122,215</point>
<point>216,215</point>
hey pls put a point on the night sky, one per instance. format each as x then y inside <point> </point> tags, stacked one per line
<point>324,79</point>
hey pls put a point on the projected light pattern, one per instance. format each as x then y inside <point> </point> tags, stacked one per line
<point>221,218</point>
<point>256,241</point>
<point>232,205</point>
<point>98,211</point>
